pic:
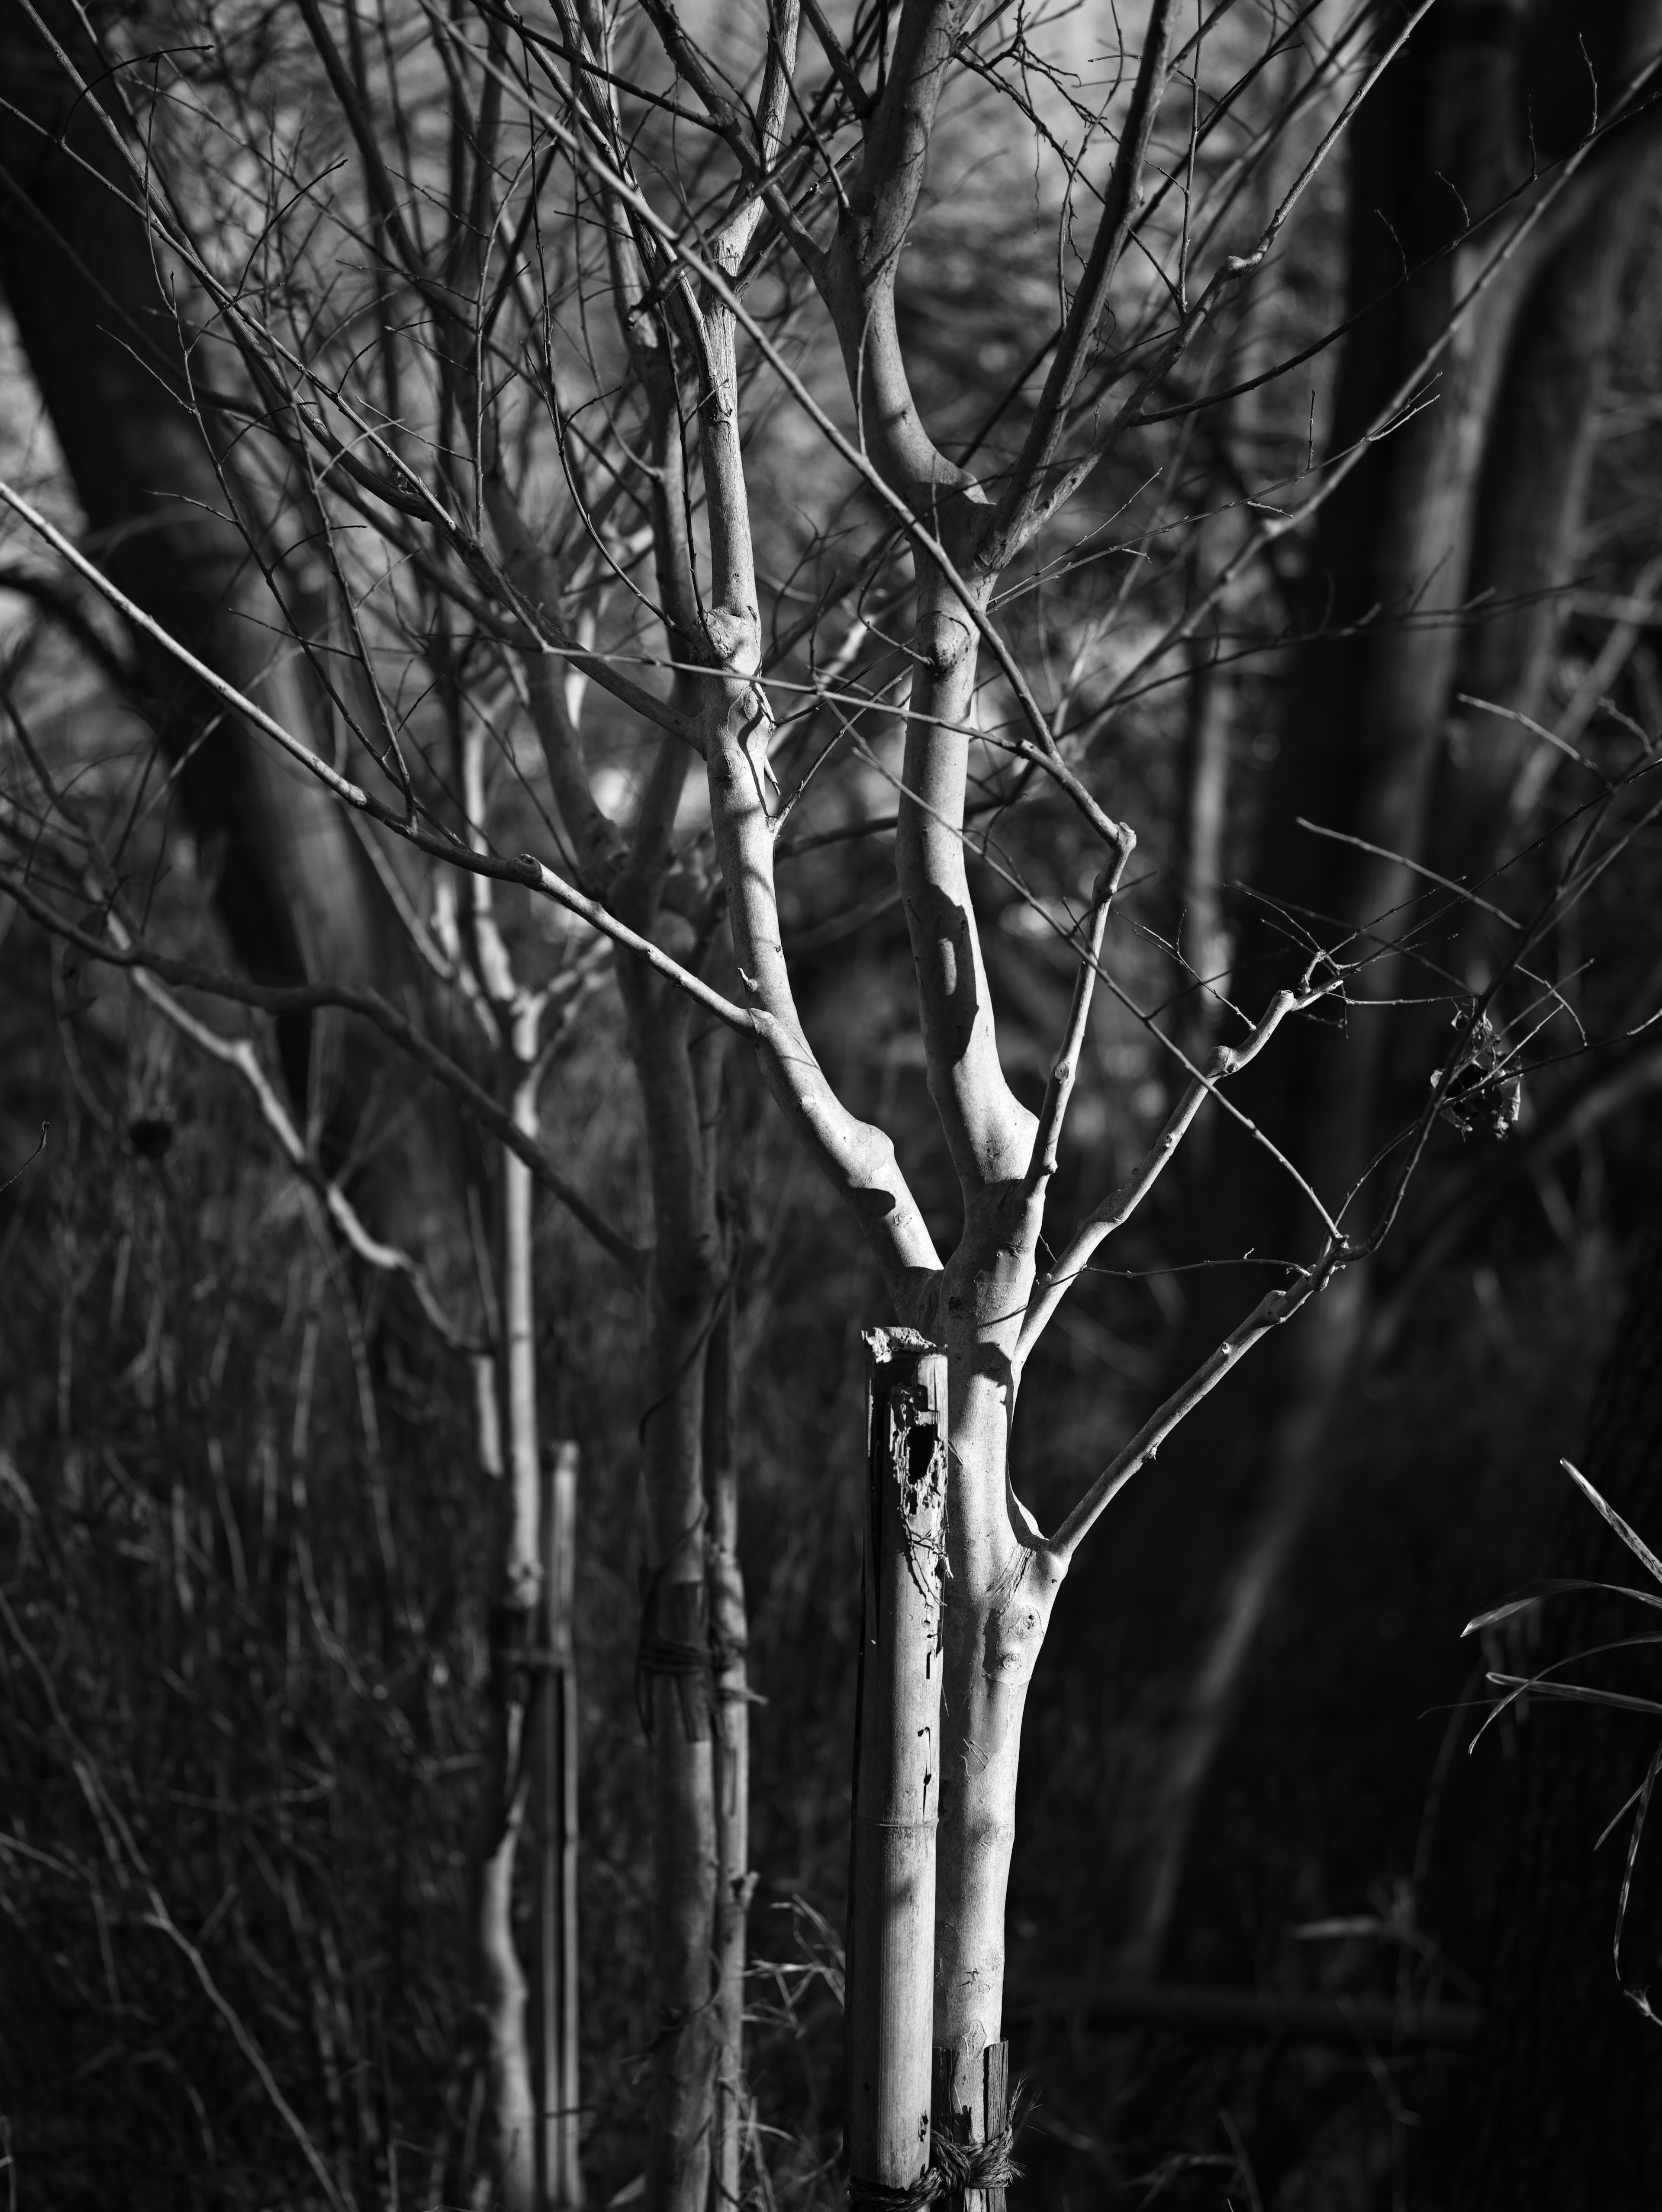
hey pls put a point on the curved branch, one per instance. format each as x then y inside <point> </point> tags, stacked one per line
<point>237,1052</point>
<point>307,998</point>
<point>988,1131</point>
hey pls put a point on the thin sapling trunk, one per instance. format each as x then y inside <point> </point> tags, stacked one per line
<point>499,1978</point>
<point>729,1640</point>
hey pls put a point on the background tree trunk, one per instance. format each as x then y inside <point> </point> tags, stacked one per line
<point>677,1091</point>
<point>298,897</point>
<point>1431,514</point>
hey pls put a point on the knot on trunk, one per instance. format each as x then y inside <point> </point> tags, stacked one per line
<point>943,640</point>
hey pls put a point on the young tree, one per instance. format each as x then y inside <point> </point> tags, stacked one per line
<point>578,346</point>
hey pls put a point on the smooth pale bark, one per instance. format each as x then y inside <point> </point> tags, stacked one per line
<point>559,2170</point>
<point>898,1766</point>
<point>1001,1586</point>
<point>1000,1592</point>
<point>511,2123</point>
<point>729,1642</point>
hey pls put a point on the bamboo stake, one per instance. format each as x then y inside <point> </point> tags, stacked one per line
<point>559,2171</point>
<point>891,1947</point>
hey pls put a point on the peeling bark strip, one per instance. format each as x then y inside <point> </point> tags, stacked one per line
<point>890,1950</point>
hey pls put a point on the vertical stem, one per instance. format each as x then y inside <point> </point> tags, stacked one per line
<point>729,1638</point>
<point>891,1947</point>
<point>1202,940</point>
<point>559,2171</point>
<point>500,1979</point>
<point>674,1667</point>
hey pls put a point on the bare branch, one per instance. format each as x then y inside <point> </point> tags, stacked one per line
<point>529,872</point>
<point>1115,1211</point>
<point>237,1052</point>
<point>841,68</point>
<point>1022,505</point>
<point>1047,1136</point>
<point>1270,1311</point>
<point>306,998</point>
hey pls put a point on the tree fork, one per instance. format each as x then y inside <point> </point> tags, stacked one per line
<point>891,1945</point>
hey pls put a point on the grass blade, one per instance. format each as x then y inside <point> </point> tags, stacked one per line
<point>1634,1542</point>
<point>1535,1592</point>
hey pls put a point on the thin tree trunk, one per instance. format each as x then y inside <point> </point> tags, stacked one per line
<point>999,1596</point>
<point>511,2111</point>
<point>729,1642</point>
<point>675,1666</point>
<point>675,1691</point>
<point>559,2170</point>
<point>897,1768</point>
<point>500,1982</point>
